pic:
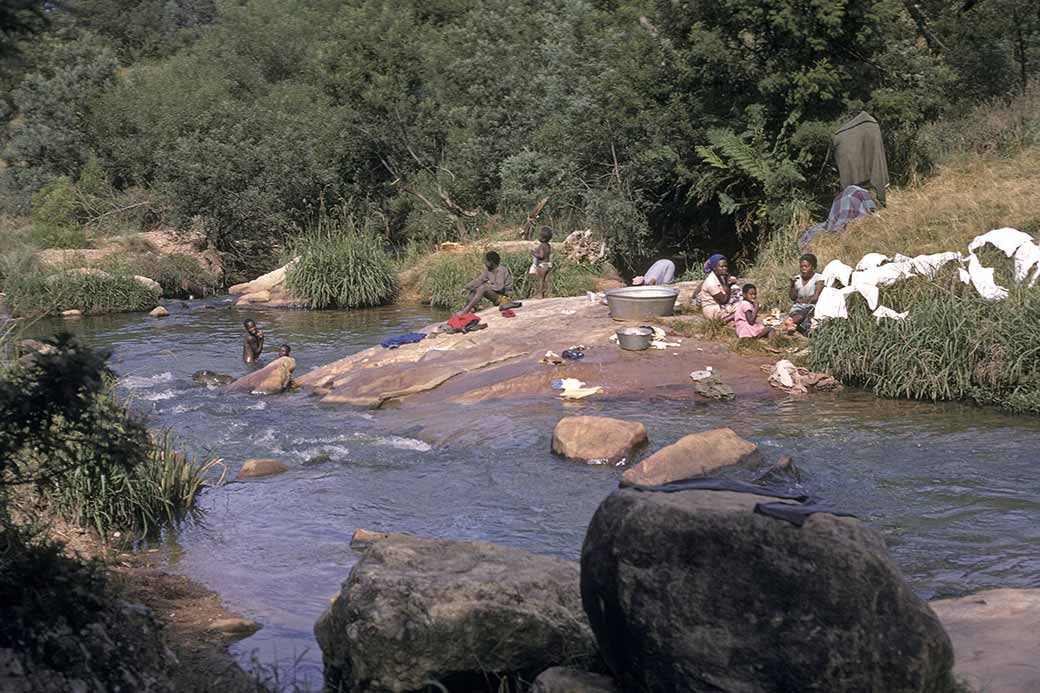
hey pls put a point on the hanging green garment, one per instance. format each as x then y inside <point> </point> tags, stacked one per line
<point>860,154</point>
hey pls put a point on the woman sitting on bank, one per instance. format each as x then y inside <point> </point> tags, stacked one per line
<point>719,291</point>
<point>805,290</point>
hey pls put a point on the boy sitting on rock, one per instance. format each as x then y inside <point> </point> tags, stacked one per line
<point>495,284</point>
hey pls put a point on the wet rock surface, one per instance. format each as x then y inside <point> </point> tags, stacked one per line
<point>698,454</point>
<point>597,439</point>
<point>212,378</point>
<point>416,609</point>
<point>694,591</point>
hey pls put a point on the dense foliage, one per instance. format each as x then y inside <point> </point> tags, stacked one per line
<point>664,125</point>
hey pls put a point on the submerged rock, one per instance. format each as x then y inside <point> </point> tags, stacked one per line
<point>597,438</point>
<point>159,312</point>
<point>416,609</point>
<point>569,680</point>
<point>783,472</point>
<point>996,635</point>
<point>72,313</point>
<point>254,469</point>
<point>273,378</point>
<point>693,455</point>
<point>713,388</point>
<point>693,591</point>
<point>237,627</point>
<point>212,379</point>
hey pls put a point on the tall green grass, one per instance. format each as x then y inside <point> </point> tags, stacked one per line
<point>38,293</point>
<point>158,490</point>
<point>340,266</point>
<point>953,345</point>
<point>180,276</point>
<point>447,273</point>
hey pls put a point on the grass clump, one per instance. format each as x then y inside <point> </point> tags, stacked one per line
<point>89,291</point>
<point>952,346</point>
<point>446,274</point>
<point>179,275</point>
<point>340,266</point>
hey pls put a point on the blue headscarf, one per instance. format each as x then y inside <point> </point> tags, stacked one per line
<point>712,261</point>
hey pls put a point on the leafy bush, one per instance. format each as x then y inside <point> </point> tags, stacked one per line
<point>446,274</point>
<point>88,291</point>
<point>952,346</point>
<point>180,276</point>
<point>341,267</point>
<point>620,219</point>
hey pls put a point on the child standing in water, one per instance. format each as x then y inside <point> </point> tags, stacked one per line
<point>541,265</point>
<point>745,319</point>
<point>252,343</point>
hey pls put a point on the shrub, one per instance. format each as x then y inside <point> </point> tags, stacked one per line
<point>90,292</point>
<point>179,275</point>
<point>341,267</point>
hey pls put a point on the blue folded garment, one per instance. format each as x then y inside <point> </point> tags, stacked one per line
<point>410,338</point>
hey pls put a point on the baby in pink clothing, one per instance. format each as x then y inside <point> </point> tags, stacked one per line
<point>745,319</point>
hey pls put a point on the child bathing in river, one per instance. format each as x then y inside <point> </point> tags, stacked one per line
<point>252,343</point>
<point>745,318</point>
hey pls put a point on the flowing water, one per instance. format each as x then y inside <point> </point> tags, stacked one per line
<point>954,489</point>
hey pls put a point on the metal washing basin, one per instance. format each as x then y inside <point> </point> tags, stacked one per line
<point>641,302</point>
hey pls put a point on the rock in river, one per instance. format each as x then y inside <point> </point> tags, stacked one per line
<point>159,312</point>
<point>273,378</point>
<point>253,469</point>
<point>597,438</point>
<point>693,591</point>
<point>416,609</point>
<point>693,455</point>
<point>212,378</point>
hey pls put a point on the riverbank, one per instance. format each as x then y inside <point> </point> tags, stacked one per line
<point>194,624</point>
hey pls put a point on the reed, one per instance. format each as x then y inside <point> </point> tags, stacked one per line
<point>340,266</point>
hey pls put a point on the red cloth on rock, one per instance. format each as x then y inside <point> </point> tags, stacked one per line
<point>457,322</point>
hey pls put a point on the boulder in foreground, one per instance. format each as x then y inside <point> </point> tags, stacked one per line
<point>693,455</point>
<point>416,609</point>
<point>254,469</point>
<point>597,438</point>
<point>569,680</point>
<point>693,591</point>
<point>273,378</point>
<point>996,635</point>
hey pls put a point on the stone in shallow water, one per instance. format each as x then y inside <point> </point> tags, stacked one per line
<point>694,591</point>
<point>239,627</point>
<point>254,469</point>
<point>416,609</point>
<point>273,378</point>
<point>597,438</point>
<point>159,312</point>
<point>698,454</point>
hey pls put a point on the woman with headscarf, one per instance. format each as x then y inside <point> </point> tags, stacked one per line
<point>718,295</point>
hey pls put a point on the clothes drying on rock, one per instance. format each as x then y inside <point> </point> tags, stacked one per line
<point>459,322</point>
<point>715,483</point>
<point>797,513</point>
<point>409,338</point>
<point>852,203</point>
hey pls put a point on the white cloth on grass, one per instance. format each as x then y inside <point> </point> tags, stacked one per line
<point>982,279</point>
<point>836,270</point>
<point>928,265</point>
<point>1008,240</point>
<point>883,312</point>
<point>871,260</point>
<point>1026,258</point>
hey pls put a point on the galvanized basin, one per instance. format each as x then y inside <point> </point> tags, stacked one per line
<point>635,338</point>
<point>641,302</point>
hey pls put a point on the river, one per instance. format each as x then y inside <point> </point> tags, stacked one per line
<point>953,489</point>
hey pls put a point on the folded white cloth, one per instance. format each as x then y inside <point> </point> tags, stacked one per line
<point>871,260</point>
<point>1026,258</point>
<point>928,265</point>
<point>883,312</point>
<point>982,280</point>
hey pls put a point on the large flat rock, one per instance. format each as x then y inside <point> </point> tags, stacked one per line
<point>996,639</point>
<point>698,454</point>
<point>502,362</point>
